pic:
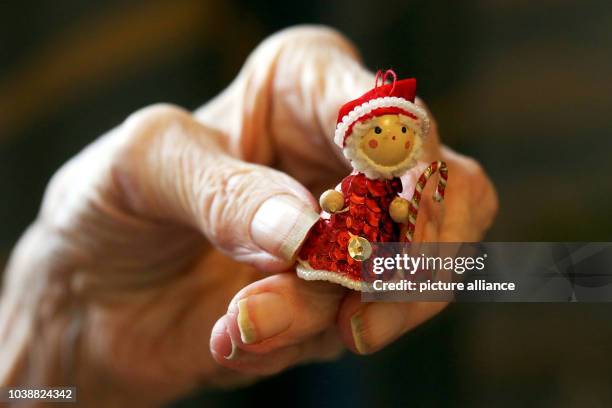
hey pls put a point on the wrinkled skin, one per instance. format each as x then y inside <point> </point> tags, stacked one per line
<point>126,284</point>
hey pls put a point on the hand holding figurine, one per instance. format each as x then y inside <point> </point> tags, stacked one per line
<point>169,233</point>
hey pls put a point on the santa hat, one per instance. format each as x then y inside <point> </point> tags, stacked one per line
<point>394,98</point>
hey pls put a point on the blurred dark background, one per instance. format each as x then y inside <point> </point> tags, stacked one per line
<point>523,86</point>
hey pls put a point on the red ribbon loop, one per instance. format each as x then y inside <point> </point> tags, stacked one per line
<point>384,78</point>
<point>379,75</point>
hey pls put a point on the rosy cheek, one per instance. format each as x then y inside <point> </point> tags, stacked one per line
<point>407,145</point>
<point>373,143</point>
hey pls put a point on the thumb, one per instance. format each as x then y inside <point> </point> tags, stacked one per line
<point>172,167</point>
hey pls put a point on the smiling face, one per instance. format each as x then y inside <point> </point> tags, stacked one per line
<point>385,146</point>
<point>389,142</point>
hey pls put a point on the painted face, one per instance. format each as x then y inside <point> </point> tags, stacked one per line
<point>389,142</point>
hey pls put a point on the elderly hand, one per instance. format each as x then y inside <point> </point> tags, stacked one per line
<point>168,234</point>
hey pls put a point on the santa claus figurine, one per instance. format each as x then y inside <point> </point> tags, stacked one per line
<point>381,133</point>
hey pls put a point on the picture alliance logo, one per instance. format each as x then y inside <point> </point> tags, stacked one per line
<point>413,264</point>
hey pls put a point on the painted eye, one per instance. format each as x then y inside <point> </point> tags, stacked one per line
<point>403,129</point>
<point>377,130</point>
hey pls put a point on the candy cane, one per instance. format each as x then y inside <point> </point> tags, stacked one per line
<point>413,210</point>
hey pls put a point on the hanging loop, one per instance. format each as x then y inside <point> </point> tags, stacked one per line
<point>384,79</point>
<point>379,76</point>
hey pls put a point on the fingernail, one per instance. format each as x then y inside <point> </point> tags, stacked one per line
<point>221,342</point>
<point>234,351</point>
<point>280,225</point>
<point>374,326</point>
<point>357,330</point>
<point>262,316</point>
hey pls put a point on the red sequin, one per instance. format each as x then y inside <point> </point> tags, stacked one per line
<point>372,205</point>
<point>358,211</point>
<point>357,199</point>
<point>343,238</point>
<point>373,218</point>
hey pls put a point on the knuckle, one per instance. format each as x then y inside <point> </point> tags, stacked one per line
<point>473,167</point>
<point>307,32</point>
<point>301,32</point>
<point>143,131</point>
<point>477,172</point>
<point>141,126</point>
<point>303,36</point>
<point>154,114</point>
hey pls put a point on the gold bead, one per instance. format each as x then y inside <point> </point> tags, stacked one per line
<point>359,248</point>
<point>331,201</point>
<point>399,210</point>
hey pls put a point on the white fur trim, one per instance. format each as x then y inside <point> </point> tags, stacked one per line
<point>367,166</point>
<point>384,102</point>
<point>306,272</point>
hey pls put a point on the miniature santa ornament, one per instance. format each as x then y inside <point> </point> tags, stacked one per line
<point>381,133</point>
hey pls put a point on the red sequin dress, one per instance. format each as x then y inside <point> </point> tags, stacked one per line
<point>367,216</point>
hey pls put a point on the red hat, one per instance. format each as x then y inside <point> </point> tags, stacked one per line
<point>386,99</point>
